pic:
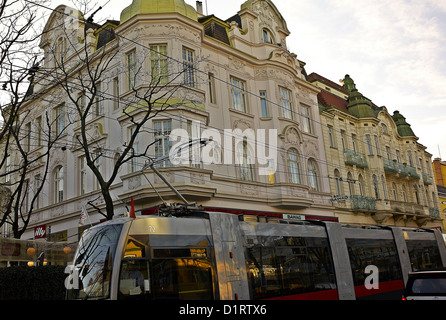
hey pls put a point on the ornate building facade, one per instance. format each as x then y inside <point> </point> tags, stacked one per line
<point>228,75</point>
<point>378,171</point>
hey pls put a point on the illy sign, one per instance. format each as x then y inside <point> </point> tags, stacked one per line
<point>40,232</point>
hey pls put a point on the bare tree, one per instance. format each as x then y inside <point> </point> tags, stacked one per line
<point>85,71</point>
<point>19,60</point>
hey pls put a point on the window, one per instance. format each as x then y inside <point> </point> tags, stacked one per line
<point>159,64</point>
<point>404,193</point>
<point>394,191</point>
<point>82,175</point>
<point>388,152</point>
<point>350,186</point>
<point>293,166</point>
<point>369,144</point>
<point>60,49</point>
<point>337,175</point>
<point>193,130</point>
<point>97,155</point>
<point>131,69</point>
<point>263,104</point>
<point>281,266</point>
<point>37,183</point>
<point>245,160</point>
<point>266,35</point>
<point>343,140</point>
<point>361,185</point>
<point>375,186</point>
<point>59,119</point>
<point>377,146</point>
<point>81,101</point>
<point>306,119</point>
<point>58,184</point>
<point>39,131</point>
<point>285,103</point>
<point>417,195</point>
<point>162,130</point>
<point>383,181</point>
<point>385,258</point>
<point>238,95</point>
<point>8,169</point>
<point>384,128</point>
<point>99,108</point>
<point>409,156</point>
<point>134,163</point>
<point>188,67</point>
<point>331,137</point>
<point>115,93</point>
<point>354,142</point>
<point>313,174</point>
<point>28,136</point>
<point>211,82</point>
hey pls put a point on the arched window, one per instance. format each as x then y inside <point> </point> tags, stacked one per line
<point>293,166</point>
<point>375,186</point>
<point>58,184</point>
<point>245,162</point>
<point>266,36</point>
<point>361,185</point>
<point>417,195</point>
<point>313,174</point>
<point>338,182</point>
<point>383,181</point>
<point>395,192</point>
<point>351,188</point>
<point>404,193</point>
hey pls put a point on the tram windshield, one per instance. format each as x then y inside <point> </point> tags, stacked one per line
<point>91,272</point>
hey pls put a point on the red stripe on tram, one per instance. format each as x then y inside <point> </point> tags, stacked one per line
<point>383,287</point>
<point>317,295</point>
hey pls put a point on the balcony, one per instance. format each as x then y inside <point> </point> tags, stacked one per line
<point>400,169</point>
<point>434,212</point>
<point>355,159</point>
<point>363,203</point>
<point>427,179</point>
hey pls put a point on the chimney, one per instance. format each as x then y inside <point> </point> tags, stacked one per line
<point>437,171</point>
<point>200,7</point>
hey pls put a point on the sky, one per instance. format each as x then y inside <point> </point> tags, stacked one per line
<point>395,51</point>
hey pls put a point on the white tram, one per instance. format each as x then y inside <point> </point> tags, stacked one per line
<point>211,255</point>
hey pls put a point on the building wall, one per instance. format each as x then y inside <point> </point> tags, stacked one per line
<point>387,181</point>
<point>439,168</point>
<point>261,66</point>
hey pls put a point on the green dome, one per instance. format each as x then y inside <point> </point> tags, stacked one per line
<point>158,6</point>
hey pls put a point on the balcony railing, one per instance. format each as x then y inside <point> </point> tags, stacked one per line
<point>355,159</point>
<point>361,202</point>
<point>407,207</point>
<point>427,179</point>
<point>434,212</point>
<point>400,168</point>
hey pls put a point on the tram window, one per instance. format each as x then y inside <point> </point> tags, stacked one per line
<point>134,279</point>
<point>424,254</point>
<point>288,266</point>
<point>181,278</point>
<point>380,253</point>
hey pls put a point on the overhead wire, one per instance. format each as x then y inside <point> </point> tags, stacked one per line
<point>248,92</point>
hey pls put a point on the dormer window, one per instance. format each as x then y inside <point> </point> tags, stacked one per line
<point>267,37</point>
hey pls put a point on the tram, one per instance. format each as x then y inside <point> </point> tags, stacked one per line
<point>213,255</point>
